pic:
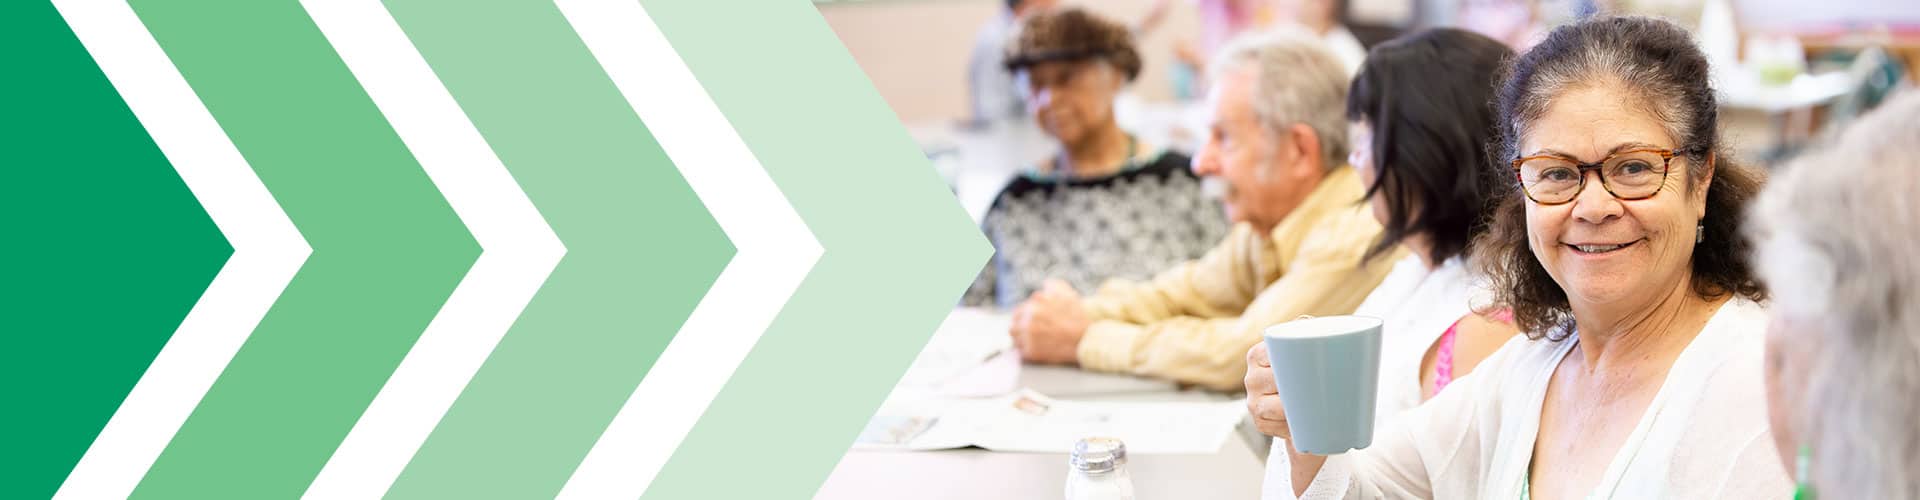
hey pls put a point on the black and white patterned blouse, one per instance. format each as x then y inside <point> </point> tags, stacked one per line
<point>1130,224</point>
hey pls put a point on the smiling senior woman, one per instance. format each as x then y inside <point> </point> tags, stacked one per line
<point>1616,247</point>
<point>1835,243</point>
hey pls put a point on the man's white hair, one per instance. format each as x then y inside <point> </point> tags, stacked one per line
<point>1835,238</point>
<point>1295,80</point>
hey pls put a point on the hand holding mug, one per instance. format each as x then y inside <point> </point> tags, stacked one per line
<point>1263,397</point>
<point>1326,372</point>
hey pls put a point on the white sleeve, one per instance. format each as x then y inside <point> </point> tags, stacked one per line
<point>1331,483</point>
<point>1438,445</point>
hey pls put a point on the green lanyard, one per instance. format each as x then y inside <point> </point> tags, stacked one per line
<point>1526,482</point>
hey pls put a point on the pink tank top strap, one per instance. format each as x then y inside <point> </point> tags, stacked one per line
<point>1443,357</point>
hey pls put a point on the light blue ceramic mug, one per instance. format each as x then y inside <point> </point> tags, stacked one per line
<point>1328,371</point>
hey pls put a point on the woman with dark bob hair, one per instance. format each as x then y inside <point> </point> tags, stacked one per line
<point>1615,245</point>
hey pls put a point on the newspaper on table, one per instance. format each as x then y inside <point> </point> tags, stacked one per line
<point>968,338</point>
<point>1026,421</point>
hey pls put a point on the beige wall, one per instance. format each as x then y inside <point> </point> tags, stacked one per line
<point>916,51</point>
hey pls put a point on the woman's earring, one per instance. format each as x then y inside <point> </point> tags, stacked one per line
<point>1700,234</point>
<point>1803,487</point>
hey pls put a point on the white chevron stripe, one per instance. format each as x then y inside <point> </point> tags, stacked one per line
<point>267,250</point>
<point>519,249</point>
<point>775,249</point>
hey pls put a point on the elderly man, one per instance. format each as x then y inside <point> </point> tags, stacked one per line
<point>1278,142</point>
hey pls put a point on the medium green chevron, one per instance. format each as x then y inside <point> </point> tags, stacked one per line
<point>387,250</point>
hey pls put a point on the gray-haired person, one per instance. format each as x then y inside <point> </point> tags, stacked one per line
<point>1835,237</point>
<point>1278,143</point>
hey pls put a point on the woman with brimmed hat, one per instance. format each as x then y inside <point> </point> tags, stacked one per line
<point>1105,205</point>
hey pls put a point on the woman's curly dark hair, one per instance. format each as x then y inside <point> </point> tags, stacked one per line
<point>1073,34</point>
<point>1656,62</point>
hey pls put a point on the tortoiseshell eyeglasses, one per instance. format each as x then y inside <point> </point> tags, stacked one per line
<point>1633,174</point>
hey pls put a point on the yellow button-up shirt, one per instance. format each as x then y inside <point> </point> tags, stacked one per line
<point>1194,323</point>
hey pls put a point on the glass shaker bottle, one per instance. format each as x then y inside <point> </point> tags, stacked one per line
<point>1097,470</point>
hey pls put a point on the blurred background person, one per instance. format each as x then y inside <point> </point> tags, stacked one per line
<point>1107,205</point>
<point>1835,235</point>
<point>1321,18</point>
<point>1420,115</point>
<point>1278,143</point>
<point>1516,23</point>
<point>1223,20</point>
<point>990,86</point>
<point>1617,249</point>
<point>1220,21</point>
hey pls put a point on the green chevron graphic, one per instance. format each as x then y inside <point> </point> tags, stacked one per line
<point>108,250</point>
<point>387,250</point>
<point>105,250</point>
<point>899,250</point>
<point>641,249</point>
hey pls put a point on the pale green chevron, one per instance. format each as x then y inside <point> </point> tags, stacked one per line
<point>641,249</point>
<point>898,248</point>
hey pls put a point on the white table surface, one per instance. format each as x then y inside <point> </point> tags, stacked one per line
<point>971,474</point>
<point>1234,471</point>
<point>1741,90</point>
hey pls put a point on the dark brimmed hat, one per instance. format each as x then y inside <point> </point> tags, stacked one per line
<point>1073,34</point>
